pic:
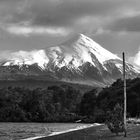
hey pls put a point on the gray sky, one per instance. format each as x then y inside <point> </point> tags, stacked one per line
<point>36,24</point>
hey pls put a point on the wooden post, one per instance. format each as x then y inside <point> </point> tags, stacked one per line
<point>124,80</point>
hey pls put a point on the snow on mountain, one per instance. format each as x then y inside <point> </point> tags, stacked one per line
<point>28,58</point>
<point>61,55</point>
<point>93,47</point>
<point>78,59</point>
<point>79,51</point>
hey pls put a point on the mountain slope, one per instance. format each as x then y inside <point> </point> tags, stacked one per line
<point>78,60</point>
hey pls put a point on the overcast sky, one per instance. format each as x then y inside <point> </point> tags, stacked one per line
<point>36,24</point>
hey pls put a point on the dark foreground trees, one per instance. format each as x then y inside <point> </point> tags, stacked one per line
<point>54,104</point>
<point>66,104</point>
<point>113,95</point>
<point>95,106</point>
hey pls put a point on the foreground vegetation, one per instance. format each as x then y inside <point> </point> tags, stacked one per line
<point>64,103</point>
<point>54,104</point>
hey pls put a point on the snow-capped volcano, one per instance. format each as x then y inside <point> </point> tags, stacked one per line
<point>76,52</point>
<point>79,59</point>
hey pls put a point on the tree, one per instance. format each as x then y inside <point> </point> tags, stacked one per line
<point>88,103</point>
<point>115,120</point>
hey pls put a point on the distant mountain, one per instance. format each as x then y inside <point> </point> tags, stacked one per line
<point>78,60</point>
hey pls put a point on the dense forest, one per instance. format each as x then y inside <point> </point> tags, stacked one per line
<point>54,104</point>
<point>66,104</point>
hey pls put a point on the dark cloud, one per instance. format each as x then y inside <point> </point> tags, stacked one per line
<point>67,12</point>
<point>131,24</point>
<point>44,13</point>
<point>71,13</point>
<point>8,8</point>
<point>10,0</point>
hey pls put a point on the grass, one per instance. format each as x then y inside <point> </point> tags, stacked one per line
<point>98,133</point>
<point>18,131</point>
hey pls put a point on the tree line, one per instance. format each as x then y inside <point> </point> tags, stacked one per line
<point>66,104</point>
<point>54,104</point>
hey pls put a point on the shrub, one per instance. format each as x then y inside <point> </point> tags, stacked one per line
<point>114,120</point>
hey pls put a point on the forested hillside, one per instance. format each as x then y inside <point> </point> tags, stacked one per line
<point>66,104</point>
<point>54,104</point>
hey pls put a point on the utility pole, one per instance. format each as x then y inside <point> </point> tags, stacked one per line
<point>124,85</point>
